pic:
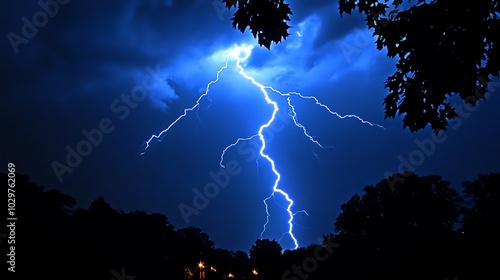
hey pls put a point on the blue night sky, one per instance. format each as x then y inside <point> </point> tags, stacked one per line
<point>130,68</point>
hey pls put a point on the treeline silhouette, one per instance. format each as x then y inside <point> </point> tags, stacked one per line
<point>404,227</point>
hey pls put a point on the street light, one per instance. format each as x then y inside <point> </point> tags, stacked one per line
<point>201,266</point>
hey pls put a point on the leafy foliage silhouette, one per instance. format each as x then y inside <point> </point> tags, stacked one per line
<point>481,227</point>
<point>267,20</point>
<point>411,229</point>
<point>443,47</point>
<point>265,254</point>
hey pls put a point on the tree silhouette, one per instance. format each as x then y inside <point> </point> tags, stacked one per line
<point>44,217</point>
<point>402,234</point>
<point>104,240</point>
<point>481,227</point>
<point>312,262</point>
<point>407,230</point>
<point>443,48</point>
<point>240,264</point>
<point>192,245</point>
<point>266,256</point>
<point>220,262</point>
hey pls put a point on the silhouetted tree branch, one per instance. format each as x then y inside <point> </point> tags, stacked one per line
<point>443,48</point>
<point>267,20</point>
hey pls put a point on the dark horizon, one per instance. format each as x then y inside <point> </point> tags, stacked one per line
<point>407,220</point>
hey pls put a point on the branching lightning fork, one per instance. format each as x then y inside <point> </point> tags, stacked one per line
<point>160,135</point>
<point>236,54</point>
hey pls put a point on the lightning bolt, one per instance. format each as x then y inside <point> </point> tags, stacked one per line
<point>160,135</point>
<point>241,54</point>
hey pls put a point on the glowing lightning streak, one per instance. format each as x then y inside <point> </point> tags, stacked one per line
<point>186,111</point>
<point>260,134</point>
<point>222,166</point>
<point>301,211</point>
<point>293,114</point>
<point>236,54</point>
<point>330,111</point>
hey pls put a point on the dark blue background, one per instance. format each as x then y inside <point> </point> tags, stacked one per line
<point>67,77</point>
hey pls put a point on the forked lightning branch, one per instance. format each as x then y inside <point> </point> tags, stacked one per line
<point>239,55</point>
